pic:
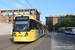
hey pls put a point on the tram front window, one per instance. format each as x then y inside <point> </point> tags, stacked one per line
<point>22,27</point>
<point>21,24</point>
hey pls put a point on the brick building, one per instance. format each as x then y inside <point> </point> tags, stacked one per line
<point>6,16</point>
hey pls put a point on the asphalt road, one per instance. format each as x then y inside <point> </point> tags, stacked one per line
<point>63,41</point>
<point>43,43</point>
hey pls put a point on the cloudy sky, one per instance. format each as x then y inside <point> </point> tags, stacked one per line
<point>45,7</point>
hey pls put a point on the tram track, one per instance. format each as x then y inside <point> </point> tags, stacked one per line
<point>34,44</point>
<point>10,45</point>
<point>15,46</point>
<point>7,46</point>
<point>4,40</point>
<point>22,46</point>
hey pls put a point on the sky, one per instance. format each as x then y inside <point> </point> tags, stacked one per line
<point>45,7</point>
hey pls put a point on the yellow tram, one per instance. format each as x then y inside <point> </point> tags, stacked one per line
<point>27,29</point>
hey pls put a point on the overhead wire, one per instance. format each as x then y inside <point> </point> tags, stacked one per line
<point>29,3</point>
<point>31,6</point>
<point>6,4</point>
<point>22,4</point>
<point>26,6</point>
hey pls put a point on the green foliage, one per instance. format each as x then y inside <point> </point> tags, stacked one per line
<point>69,22</point>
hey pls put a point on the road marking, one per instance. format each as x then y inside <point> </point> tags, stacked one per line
<point>53,43</point>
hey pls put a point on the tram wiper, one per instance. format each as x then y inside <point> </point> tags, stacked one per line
<point>17,30</point>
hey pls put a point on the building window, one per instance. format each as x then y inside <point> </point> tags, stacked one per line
<point>10,13</point>
<point>9,20</point>
<point>21,12</point>
<point>9,17</point>
<point>3,20</point>
<point>4,13</point>
<point>15,13</point>
<point>37,17</point>
<point>26,12</point>
<point>3,17</point>
<point>32,12</point>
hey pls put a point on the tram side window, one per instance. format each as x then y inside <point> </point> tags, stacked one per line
<point>40,26</point>
<point>44,28</point>
<point>32,24</point>
<point>36,25</point>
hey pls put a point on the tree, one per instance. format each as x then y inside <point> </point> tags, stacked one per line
<point>69,22</point>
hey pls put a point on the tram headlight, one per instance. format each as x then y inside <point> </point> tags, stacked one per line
<point>26,34</point>
<point>14,34</point>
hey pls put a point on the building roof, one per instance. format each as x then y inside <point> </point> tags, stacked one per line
<point>16,9</point>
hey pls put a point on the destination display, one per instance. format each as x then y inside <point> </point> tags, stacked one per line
<point>22,18</point>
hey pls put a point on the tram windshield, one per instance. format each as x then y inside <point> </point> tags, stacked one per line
<point>21,24</point>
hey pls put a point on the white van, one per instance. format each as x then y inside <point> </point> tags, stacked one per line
<point>73,31</point>
<point>70,31</point>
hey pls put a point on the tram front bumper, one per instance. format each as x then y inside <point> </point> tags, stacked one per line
<point>22,39</point>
